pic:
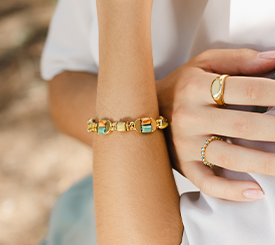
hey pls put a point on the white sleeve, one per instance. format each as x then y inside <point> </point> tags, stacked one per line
<point>68,43</point>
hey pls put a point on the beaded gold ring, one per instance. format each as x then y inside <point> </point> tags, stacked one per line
<point>141,125</point>
<point>203,149</point>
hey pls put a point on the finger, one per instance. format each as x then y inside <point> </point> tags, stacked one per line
<point>239,158</point>
<point>237,124</point>
<point>234,61</point>
<point>228,156</point>
<point>254,91</point>
<point>219,187</point>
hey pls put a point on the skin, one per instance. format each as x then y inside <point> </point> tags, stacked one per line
<point>71,107</point>
<point>136,199</point>
<point>193,119</point>
<point>177,105</point>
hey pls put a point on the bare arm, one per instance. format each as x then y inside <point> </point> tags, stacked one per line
<point>72,97</point>
<point>136,199</point>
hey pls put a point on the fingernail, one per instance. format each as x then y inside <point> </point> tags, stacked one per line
<point>253,194</point>
<point>267,55</point>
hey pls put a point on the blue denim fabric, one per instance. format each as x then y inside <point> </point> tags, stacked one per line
<point>72,221</point>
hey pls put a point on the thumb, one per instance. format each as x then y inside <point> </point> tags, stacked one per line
<point>235,61</point>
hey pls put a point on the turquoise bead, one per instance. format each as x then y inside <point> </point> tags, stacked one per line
<point>146,128</point>
<point>102,130</point>
<point>202,157</point>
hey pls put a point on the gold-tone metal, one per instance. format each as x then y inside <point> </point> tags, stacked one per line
<point>218,95</point>
<point>132,126</point>
<point>121,127</point>
<point>114,126</point>
<point>138,125</point>
<point>162,123</point>
<point>145,121</point>
<point>108,126</point>
<point>91,125</point>
<point>127,126</point>
<point>141,125</point>
<point>154,124</point>
<point>203,149</point>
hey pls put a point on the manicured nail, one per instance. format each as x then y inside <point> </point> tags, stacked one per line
<point>253,194</point>
<point>267,55</point>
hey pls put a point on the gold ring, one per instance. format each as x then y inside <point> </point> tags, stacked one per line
<point>217,89</point>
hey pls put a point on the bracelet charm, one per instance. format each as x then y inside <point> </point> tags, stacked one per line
<point>145,125</point>
<point>104,127</point>
<point>121,127</point>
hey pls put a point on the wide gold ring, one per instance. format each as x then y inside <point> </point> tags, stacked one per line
<point>217,89</point>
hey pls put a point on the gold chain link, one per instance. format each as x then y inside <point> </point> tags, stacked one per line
<point>132,126</point>
<point>113,126</point>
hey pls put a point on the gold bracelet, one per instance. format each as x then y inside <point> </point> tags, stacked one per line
<point>141,125</point>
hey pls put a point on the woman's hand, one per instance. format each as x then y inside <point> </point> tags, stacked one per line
<point>185,99</point>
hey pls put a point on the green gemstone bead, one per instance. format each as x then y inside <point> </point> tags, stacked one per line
<point>101,130</point>
<point>146,128</point>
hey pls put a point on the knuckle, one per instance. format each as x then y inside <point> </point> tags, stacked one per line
<point>226,160</point>
<point>178,141</point>
<point>225,192</point>
<point>253,94</point>
<point>183,118</point>
<point>190,88</point>
<point>206,186</point>
<point>204,58</point>
<point>182,149</point>
<point>242,126</point>
<point>178,116</point>
<point>268,165</point>
<point>229,193</point>
<point>205,55</point>
<point>240,54</point>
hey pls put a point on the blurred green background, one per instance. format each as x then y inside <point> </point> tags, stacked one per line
<point>37,163</point>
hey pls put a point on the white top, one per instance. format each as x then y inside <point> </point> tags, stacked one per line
<point>180,31</point>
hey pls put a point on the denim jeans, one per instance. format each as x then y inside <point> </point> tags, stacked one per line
<point>72,220</point>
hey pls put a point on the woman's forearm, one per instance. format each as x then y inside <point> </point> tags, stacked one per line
<point>136,199</point>
<point>72,97</point>
<point>126,75</point>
